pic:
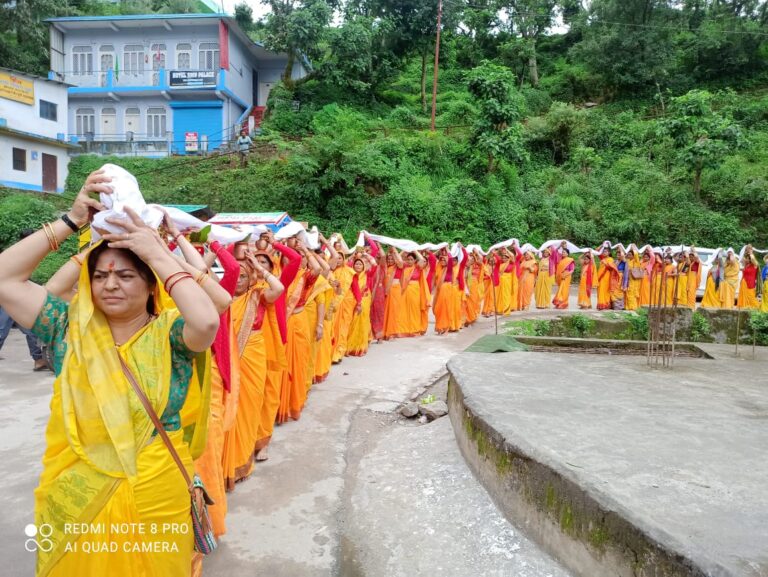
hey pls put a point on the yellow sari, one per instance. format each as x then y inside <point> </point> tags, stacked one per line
<point>324,356</point>
<point>544,282</point>
<point>343,315</point>
<point>748,296</point>
<point>711,298</point>
<point>504,296</point>
<point>103,467</point>
<point>634,288</point>
<point>314,300</point>
<point>360,327</point>
<point>728,285</point>
<point>681,297</point>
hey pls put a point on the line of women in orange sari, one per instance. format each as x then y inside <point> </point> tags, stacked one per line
<point>269,353</point>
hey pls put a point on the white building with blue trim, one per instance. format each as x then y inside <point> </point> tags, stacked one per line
<point>160,84</point>
<point>34,149</point>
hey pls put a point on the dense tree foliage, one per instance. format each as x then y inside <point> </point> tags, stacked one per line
<point>634,120</point>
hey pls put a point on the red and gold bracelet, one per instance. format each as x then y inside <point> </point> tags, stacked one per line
<point>171,277</point>
<point>179,278</point>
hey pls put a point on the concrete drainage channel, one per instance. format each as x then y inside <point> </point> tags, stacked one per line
<point>368,424</point>
<point>411,505</point>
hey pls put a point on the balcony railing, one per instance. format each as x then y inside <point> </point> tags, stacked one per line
<point>161,78</point>
<point>131,144</point>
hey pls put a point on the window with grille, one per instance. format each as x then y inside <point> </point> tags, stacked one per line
<point>85,121</point>
<point>209,56</point>
<point>82,60</point>
<point>106,61</point>
<point>158,61</point>
<point>184,56</point>
<point>20,159</point>
<point>47,110</point>
<point>133,59</point>
<point>156,122</point>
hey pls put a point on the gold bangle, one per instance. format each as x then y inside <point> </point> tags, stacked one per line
<point>202,277</point>
<point>53,242</point>
<point>76,260</point>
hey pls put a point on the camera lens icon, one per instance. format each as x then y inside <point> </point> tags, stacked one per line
<point>38,538</point>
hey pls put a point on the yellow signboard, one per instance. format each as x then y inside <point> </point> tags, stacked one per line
<point>17,88</point>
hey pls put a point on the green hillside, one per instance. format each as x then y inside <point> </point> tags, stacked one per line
<point>632,120</point>
<point>608,172</point>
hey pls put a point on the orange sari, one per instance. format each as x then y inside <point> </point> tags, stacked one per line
<point>414,301</point>
<point>586,284</point>
<point>604,274</point>
<point>293,391</point>
<point>527,283</point>
<point>343,315</point>
<point>473,301</point>
<point>487,294</point>
<point>394,316</point>
<point>276,367</point>
<point>444,309</point>
<point>240,440</point>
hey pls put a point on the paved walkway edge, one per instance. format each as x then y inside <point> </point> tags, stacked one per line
<point>588,537</point>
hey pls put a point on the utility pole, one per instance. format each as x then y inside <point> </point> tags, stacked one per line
<point>437,59</point>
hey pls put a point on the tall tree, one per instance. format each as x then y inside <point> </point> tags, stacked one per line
<point>244,16</point>
<point>297,27</point>
<point>411,26</point>
<point>498,132</point>
<point>629,43</point>
<point>529,19</point>
<point>358,56</point>
<point>702,136</point>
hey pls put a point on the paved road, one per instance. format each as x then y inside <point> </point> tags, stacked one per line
<point>314,509</point>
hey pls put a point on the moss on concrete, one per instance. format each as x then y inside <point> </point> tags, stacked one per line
<point>564,504</point>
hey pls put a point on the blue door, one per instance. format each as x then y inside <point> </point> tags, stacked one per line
<point>201,117</point>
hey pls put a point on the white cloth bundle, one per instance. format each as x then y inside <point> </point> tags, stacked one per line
<point>126,193</point>
<point>399,243</point>
<point>310,239</point>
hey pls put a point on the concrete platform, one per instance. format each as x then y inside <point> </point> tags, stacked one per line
<point>622,470</point>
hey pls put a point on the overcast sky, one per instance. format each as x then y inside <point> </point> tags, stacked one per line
<point>259,9</point>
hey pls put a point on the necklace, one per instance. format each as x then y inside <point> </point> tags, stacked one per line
<point>146,322</point>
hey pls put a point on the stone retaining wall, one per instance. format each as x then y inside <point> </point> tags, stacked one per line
<point>586,534</point>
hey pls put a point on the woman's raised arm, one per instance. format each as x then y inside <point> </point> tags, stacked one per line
<point>21,298</point>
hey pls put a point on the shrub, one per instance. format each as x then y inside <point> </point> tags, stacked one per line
<point>21,211</point>
<point>578,325</point>
<point>541,328</point>
<point>758,324</point>
<point>700,329</point>
<point>639,325</point>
